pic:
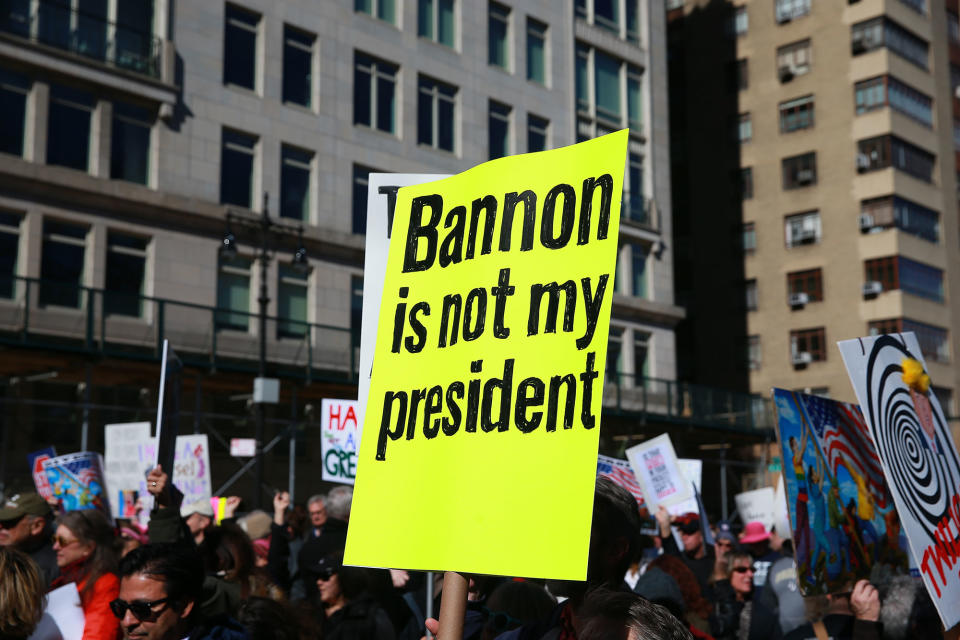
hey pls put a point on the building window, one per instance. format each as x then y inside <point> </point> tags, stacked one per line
<point>812,341</point>
<point>61,264</point>
<point>796,114</point>
<point>741,21</point>
<point>799,171</point>
<point>945,398</point>
<point>750,292</point>
<point>291,302</point>
<point>606,13</point>
<point>498,36</point>
<point>498,125</point>
<point>536,51</point>
<point>130,143</point>
<point>743,128</point>
<point>126,268</point>
<point>953,26</point>
<point>240,47</point>
<point>298,66</point>
<point>14,89</point>
<point>809,282</point>
<point>233,294</point>
<point>793,60</point>
<point>634,98</point>
<point>886,151</point>
<point>934,341</point>
<point>738,75</point>
<point>9,245</point>
<point>748,237</point>
<point>356,314</point>
<point>436,114</point>
<point>893,211</point>
<point>537,131</point>
<point>236,168</point>
<point>134,42</point>
<point>956,134</point>
<point>607,85</point>
<point>383,9</point>
<point>754,353</point>
<point>636,202</point>
<point>638,271</point>
<point>82,31</point>
<point>745,185</point>
<point>885,90</point>
<point>435,21</point>
<point>361,182</point>
<point>614,355</point>
<point>787,10</point>
<point>295,169</point>
<point>920,6</point>
<point>886,327</point>
<point>897,272</point>
<point>802,228</point>
<point>882,32</point>
<point>602,112</point>
<point>374,93</point>
<point>68,127</point>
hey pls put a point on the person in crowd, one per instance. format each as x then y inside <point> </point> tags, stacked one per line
<point>130,538</point>
<point>25,525</point>
<point>266,619</point>
<point>513,604</point>
<point>199,518</point>
<point>782,590</point>
<point>696,554</point>
<point>256,524</point>
<point>907,612</point>
<point>86,554</point>
<point>696,608</point>
<point>724,541</point>
<point>21,594</point>
<point>848,616</point>
<point>326,535</point>
<point>161,586</point>
<point>317,510</point>
<point>338,503</point>
<point>756,539</point>
<point>350,611</point>
<point>737,614</point>
<point>622,615</point>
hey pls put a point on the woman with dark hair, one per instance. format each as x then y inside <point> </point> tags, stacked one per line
<point>86,554</point>
<point>351,612</point>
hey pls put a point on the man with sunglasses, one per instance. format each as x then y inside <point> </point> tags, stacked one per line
<point>160,591</point>
<point>25,525</point>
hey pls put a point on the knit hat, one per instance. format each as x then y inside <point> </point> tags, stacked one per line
<point>256,524</point>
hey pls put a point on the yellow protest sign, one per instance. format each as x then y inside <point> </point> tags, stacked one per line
<point>480,437</point>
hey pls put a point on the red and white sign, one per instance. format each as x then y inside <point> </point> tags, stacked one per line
<point>243,447</point>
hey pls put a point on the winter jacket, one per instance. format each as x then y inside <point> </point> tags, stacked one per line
<point>99,621</point>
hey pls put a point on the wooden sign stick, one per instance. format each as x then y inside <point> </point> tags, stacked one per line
<point>453,606</point>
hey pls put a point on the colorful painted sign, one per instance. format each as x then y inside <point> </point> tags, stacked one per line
<point>35,462</point>
<point>917,454</point>
<point>482,417</point>
<point>340,439</point>
<point>76,480</point>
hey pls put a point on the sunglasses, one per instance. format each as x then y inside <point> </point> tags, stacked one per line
<point>325,573</point>
<point>743,569</point>
<point>500,621</point>
<point>63,542</point>
<point>141,610</point>
<point>12,522</point>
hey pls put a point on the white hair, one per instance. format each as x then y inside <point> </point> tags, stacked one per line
<point>338,503</point>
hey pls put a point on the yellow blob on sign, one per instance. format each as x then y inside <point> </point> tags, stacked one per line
<point>480,436</point>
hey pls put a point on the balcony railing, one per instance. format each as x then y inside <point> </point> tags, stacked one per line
<point>641,211</point>
<point>47,314</point>
<point>58,25</point>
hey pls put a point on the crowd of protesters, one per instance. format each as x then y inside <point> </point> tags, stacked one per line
<point>281,576</point>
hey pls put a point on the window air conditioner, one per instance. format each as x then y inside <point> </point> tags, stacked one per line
<point>865,220</point>
<point>798,300</point>
<point>802,357</point>
<point>786,74</point>
<point>872,289</point>
<point>805,176</point>
<point>863,162</point>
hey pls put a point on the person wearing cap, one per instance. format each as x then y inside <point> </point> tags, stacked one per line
<point>696,554</point>
<point>25,525</point>
<point>724,541</point>
<point>756,539</point>
<point>198,516</point>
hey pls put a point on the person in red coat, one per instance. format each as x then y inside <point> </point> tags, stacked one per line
<point>86,554</point>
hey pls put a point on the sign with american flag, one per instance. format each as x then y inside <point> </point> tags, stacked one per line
<point>840,509</point>
<point>620,473</point>
<point>76,481</point>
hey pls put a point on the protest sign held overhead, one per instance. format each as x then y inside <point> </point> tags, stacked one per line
<point>917,454</point>
<point>482,421</point>
<point>76,481</point>
<point>841,514</point>
<point>340,441</point>
<point>35,462</point>
<point>659,473</point>
<point>756,506</point>
<point>620,473</point>
<point>124,470</point>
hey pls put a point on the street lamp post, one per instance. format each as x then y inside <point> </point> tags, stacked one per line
<point>265,227</point>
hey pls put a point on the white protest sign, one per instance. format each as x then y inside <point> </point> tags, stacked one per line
<point>63,617</point>
<point>654,462</point>
<point>381,197</point>
<point>340,439</point>
<point>191,468</point>
<point>917,452</point>
<point>124,470</point>
<point>756,505</point>
<point>692,470</point>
